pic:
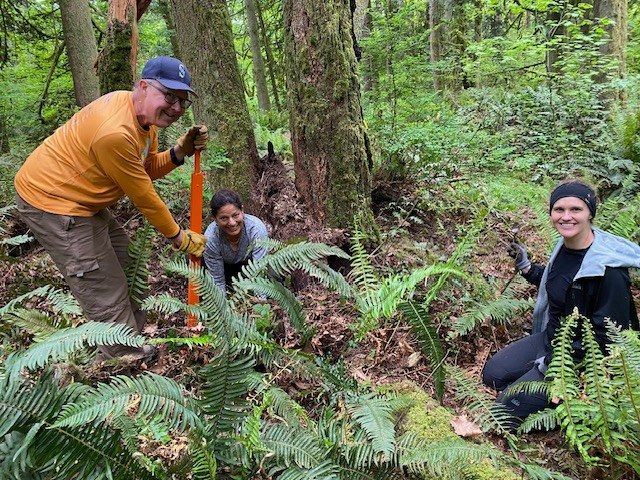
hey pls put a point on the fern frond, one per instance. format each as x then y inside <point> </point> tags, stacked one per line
<point>437,458</point>
<point>289,258</point>
<point>327,470</point>
<point>197,341</point>
<point>293,446</point>
<point>35,322</point>
<point>137,270</point>
<point>85,452</point>
<point>283,406</point>
<point>598,387</point>
<point>362,274</point>
<point>283,296</point>
<point>384,301</point>
<point>38,292</point>
<point>536,472</point>
<point>63,303</point>
<point>565,385</point>
<point>498,311</point>
<point>225,385</point>
<point>328,277</point>
<point>546,419</point>
<point>203,460</point>
<point>17,240</point>
<point>148,394</point>
<point>374,415</point>
<point>490,414</point>
<point>427,335</point>
<point>62,343</point>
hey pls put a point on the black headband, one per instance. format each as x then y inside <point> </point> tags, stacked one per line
<point>575,189</point>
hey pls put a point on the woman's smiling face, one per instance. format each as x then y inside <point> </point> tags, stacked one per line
<point>570,216</point>
<point>230,219</point>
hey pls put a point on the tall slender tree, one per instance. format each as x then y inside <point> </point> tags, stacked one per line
<point>259,75</point>
<point>616,12</point>
<point>206,44</point>
<point>167,13</point>
<point>271,63</point>
<point>82,49</point>
<point>331,151</point>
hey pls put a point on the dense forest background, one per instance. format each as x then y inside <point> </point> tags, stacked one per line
<point>394,148</point>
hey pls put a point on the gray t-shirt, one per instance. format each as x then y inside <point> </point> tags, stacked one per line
<point>218,250</point>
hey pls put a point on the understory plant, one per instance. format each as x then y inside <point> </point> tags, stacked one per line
<point>598,399</point>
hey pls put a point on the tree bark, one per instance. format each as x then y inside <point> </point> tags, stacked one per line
<point>332,157</point>
<point>206,44</point>
<point>616,11</point>
<point>271,63</point>
<point>256,55</point>
<point>82,49</point>
<point>117,60</point>
<point>436,18</point>
<point>167,14</point>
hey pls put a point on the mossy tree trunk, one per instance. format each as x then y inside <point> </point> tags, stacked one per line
<point>167,13</point>
<point>117,60</point>
<point>82,49</point>
<point>331,151</point>
<point>259,75</point>
<point>206,44</point>
<point>616,11</point>
<point>436,37</point>
<point>271,62</point>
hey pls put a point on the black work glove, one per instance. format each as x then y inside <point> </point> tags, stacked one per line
<point>518,252</point>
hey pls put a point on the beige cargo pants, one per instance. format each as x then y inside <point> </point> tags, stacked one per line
<point>91,254</point>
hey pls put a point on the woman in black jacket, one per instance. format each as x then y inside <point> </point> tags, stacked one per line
<point>588,270</point>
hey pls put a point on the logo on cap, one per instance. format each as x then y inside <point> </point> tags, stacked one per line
<point>181,70</point>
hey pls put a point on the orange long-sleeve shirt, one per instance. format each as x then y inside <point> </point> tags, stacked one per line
<point>99,155</point>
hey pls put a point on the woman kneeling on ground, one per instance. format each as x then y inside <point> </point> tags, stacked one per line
<point>588,270</point>
<point>230,237</point>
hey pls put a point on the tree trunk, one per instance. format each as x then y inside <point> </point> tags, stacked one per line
<point>4,134</point>
<point>82,49</point>
<point>436,26</point>
<point>167,14</point>
<point>331,151</point>
<point>616,11</point>
<point>256,54</point>
<point>206,43</point>
<point>271,64</point>
<point>117,60</point>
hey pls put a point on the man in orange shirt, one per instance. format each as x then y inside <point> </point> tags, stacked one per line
<point>105,151</point>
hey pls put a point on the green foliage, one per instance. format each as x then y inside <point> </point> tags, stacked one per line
<point>59,345</point>
<point>499,311</point>
<point>598,409</point>
<point>426,333</point>
<point>137,270</point>
<point>28,411</point>
<point>490,415</point>
<point>150,394</point>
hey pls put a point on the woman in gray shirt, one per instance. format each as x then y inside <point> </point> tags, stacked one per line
<point>230,238</point>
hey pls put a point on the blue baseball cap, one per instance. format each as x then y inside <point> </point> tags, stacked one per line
<point>169,71</point>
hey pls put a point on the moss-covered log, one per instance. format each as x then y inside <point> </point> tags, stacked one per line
<point>330,145</point>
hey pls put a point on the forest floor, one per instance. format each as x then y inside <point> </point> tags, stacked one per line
<point>386,354</point>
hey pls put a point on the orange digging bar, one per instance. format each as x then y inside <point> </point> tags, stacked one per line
<point>195,215</point>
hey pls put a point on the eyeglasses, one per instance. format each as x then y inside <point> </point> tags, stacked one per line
<point>172,98</point>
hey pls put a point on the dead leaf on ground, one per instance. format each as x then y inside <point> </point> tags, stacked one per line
<point>465,427</point>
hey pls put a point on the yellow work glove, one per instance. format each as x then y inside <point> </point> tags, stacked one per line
<point>195,139</point>
<point>193,243</point>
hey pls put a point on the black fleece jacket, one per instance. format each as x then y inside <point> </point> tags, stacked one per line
<point>597,298</point>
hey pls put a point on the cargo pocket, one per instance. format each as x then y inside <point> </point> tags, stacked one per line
<point>82,256</point>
